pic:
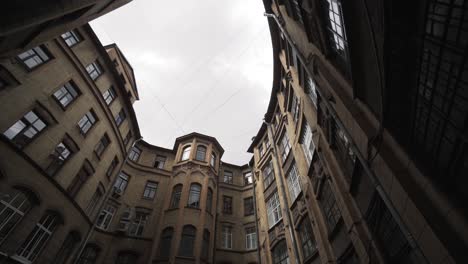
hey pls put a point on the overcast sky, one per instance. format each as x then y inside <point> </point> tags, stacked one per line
<point>200,66</point>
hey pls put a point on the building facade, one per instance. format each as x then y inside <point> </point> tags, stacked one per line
<point>339,173</point>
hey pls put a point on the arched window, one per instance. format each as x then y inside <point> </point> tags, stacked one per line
<point>66,250</point>
<point>194,196</point>
<point>209,200</point>
<point>37,239</point>
<point>205,244</point>
<point>165,244</point>
<point>201,153</point>
<point>187,241</point>
<point>280,253</point>
<point>126,258</point>
<point>176,192</point>
<point>186,153</point>
<point>89,255</point>
<point>13,206</point>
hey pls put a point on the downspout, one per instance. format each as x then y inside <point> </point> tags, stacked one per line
<point>106,197</point>
<point>285,201</point>
<point>255,214</point>
<point>216,213</point>
<point>364,162</point>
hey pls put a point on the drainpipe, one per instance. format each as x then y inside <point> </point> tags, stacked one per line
<point>216,212</point>
<point>255,214</point>
<point>106,196</point>
<point>285,201</point>
<point>353,146</point>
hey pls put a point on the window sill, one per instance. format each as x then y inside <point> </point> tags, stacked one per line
<point>195,208</point>
<point>172,209</point>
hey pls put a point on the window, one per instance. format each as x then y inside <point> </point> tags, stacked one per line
<point>343,150</point>
<point>66,94</point>
<point>294,185</point>
<point>138,224</point>
<point>150,190</point>
<point>227,205</point>
<point>209,200</point>
<point>201,153</point>
<point>166,241</point>
<point>295,108</point>
<point>187,241</point>
<point>94,201</point>
<point>226,237</point>
<point>205,245</point>
<point>268,175</point>
<point>194,196</point>
<point>112,166</point>
<point>122,182</point>
<point>58,157</point>
<point>336,28</point>
<point>71,38</point>
<point>77,182</point>
<point>34,57</point>
<point>94,70</point>
<point>102,145</point>
<point>13,207</point>
<point>280,253</point>
<point>306,141</point>
<point>284,147</point>
<point>309,246</point>
<point>159,162</point>
<point>311,90</point>
<point>261,150</point>
<point>273,210</point>
<point>127,138</point>
<point>250,238</point>
<point>248,206</point>
<point>25,130</point>
<point>134,154</point>
<point>227,177</point>
<point>248,178</point>
<point>105,217</point>
<point>267,143</point>
<point>36,240</point>
<point>66,250</point>
<point>89,255</point>
<point>86,122</point>
<point>329,206</point>
<point>120,117</point>
<point>176,193</point>
<point>126,258</point>
<point>109,95</point>
<point>186,153</point>
<point>213,160</point>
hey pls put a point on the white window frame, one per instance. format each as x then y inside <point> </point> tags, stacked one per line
<point>228,177</point>
<point>226,237</point>
<point>294,185</point>
<point>274,210</point>
<point>107,214</point>
<point>16,208</point>
<point>250,238</point>
<point>186,153</point>
<point>150,190</point>
<point>122,181</point>
<point>134,154</point>
<point>308,145</point>
<point>139,221</point>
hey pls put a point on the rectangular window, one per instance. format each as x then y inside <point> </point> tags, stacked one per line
<point>58,157</point>
<point>268,175</point>
<point>94,70</point>
<point>273,210</point>
<point>306,141</point>
<point>329,206</point>
<point>150,190</point>
<point>294,185</point>
<point>248,206</point>
<point>138,224</point>
<point>213,160</point>
<point>109,95</point>
<point>134,154</point>
<point>77,182</point>
<point>250,238</point>
<point>102,145</point>
<point>285,147</point>
<point>94,202</point>
<point>261,150</point>
<point>71,38</point>
<point>295,108</point>
<point>309,245</point>
<point>227,177</point>
<point>112,166</point>
<point>227,205</point>
<point>343,150</point>
<point>105,217</point>
<point>248,178</point>
<point>122,182</point>
<point>311,90</point>
<point>66,94</point>
<point>25,130</point>
<point>160,162</point>
<point>34,57</point>
<point>120,117</point>
<point>86,122</point>
<point>226,237</point>
<point>336,26</point>
<point>127,137</point>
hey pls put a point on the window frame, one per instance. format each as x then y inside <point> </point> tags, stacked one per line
<point>176,196</point>
<point>120,117</point>
<point>274,213</point>
<point>187,241</point>
<point>58,159</point>
<point>186,150</point>
<point>37,126</point>
<point>102,145</point>
<point>17,209</point>
<point>227,205</point>
<point>96,68</point>
<point>246,205</point>
<point>43,60</point>
<point>250,238</point>
<point>294,184</point>
<point>228,177</point>
<point>149,192</point>
<point>88,116</point>
<point>160,162</point>
<point>200,154</point>
<point>107,213</point>
<point>226,237</point>
<point>109,93</point>
<point>74,35</point>
<point>194,198</point>
<point>70,91</point>
<point>122,181</point>
<point>134,154</point>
